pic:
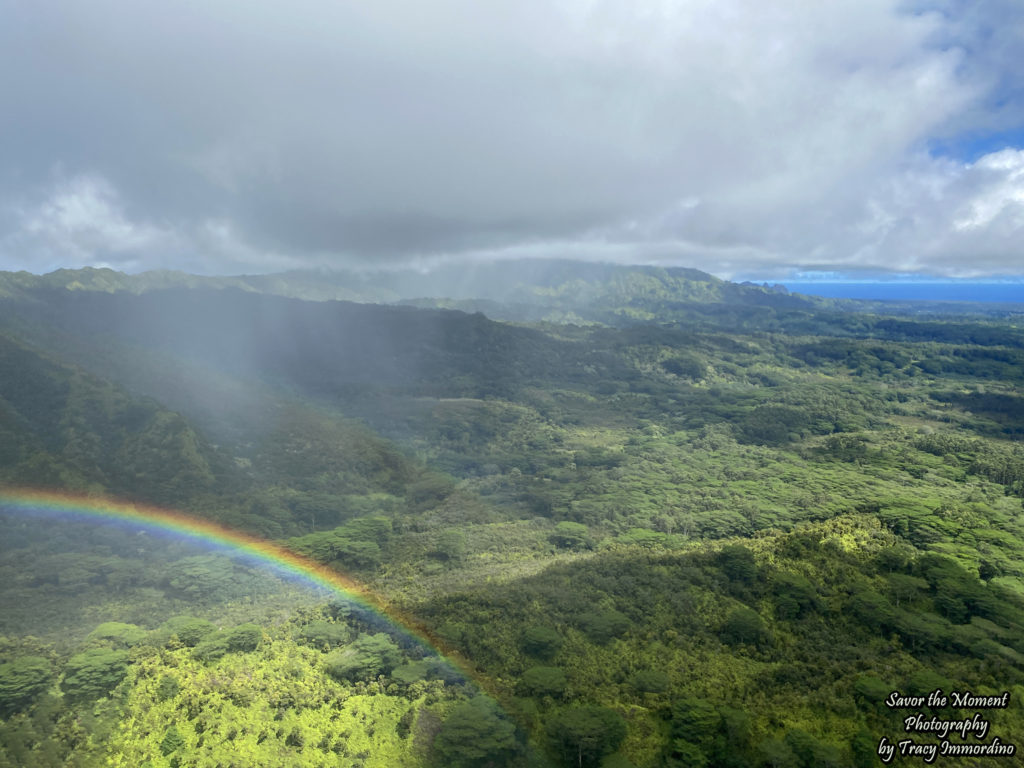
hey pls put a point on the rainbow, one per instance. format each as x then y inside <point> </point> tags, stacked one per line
<point>212,535</point>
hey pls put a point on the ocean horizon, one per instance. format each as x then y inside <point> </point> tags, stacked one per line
<point>1004,292</point>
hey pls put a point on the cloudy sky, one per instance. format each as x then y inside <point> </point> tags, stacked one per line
<point>745,138</point>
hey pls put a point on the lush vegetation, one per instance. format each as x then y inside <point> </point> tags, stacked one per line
<point>317,690</point>
<point>699,524</point>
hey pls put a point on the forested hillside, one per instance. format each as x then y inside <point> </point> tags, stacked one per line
<point>689,524</point>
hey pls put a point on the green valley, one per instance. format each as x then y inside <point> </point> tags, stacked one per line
<point>661,519</point>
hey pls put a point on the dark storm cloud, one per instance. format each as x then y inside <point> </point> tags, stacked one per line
<point>732,136</point>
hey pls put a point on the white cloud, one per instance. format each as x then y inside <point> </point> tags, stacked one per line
<point>1001,193</point>
<point>730,135</point>
<point>80,222</point>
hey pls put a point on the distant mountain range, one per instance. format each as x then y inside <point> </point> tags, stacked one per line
<point>537,284</point>
<point>536,290</point>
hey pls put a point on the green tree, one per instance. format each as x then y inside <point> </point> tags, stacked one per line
<point>988,571</point>
<point>794,595</point>
<point>775,753</point>
<point>346,552</point>
<point>650,681</point>
<point>696,720</point>
<point>924,681</point>
<point>188,629</point>
<point>569,535</point>
<point>643,537</point>
<point>871,690</point>
<point>686,754</point>
<point>602,627</point>
<point>544,681</point>
<point>864,749</point>
<point>172,740</point>
<point>212,647</point>
<point>367,657</point>
<point>244,638</point>
<point>21,681</point>
<point>94,673</point>
<point>168,688</point>
<point>325,633</point>
<point>542,642</point>
<point>906,588</point>
<point>475,735</point>
<point>737,562</point>
<point>810,752</point>
<point>686,365</point>
<point>204,577</point>
<point>451,545</point>
<point>118,634</point>
<point>413,671</point>
<point>871,609</point>
<point>582,736</point>
<point>744,625</point>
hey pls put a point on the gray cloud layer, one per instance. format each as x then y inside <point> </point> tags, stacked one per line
<point>737,137</point>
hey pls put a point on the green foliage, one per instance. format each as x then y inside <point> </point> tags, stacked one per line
<point>685,753</point>
<point>270,706</point>
<point>168,688</point>
<point>339,548</point>
<point>171,742</point>
<point>604,626</point>
<point>118,634</point>
<point>21,681</point>
<point>810,752</point>
<point>245,637</point>
<point>871,609</point>
<point>569,535</point>
<point>582,736</point>
<point>544,681</point>
<point>451,545</point>
<point>367,657</point>
<point>906,588</point>
<point>775,753</point>
<point>325,634</point>
<point>871,690</point>
<point>643,537</point>
<point>695,720</point>
<point>774,424</point>
<point>924,681</point>
<point>686,365</point>
<point>650,681</point>
<point>795,596</point>
<point>94,673</point>
<point>864,748</point>
<point>542,642</point>
<point>212,647</point>
<point>189,630</point>
<point>865,470</point>
<point>200,577</point>
<point>737,562</point>
<point>428,491</point>
<point>413,671</point>
<point>744,626</point>
<point>475,735</point>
